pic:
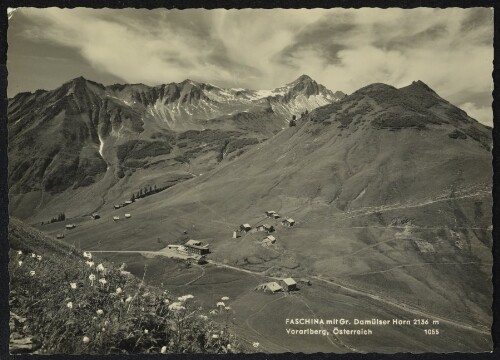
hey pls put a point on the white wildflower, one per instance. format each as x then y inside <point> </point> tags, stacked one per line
<point>215,336</point>
<point>33,255</point>
<point>39,257</point>
<point>103,281</point>
<point>185,298</point>
<point>129,299</point>
<point>176,306</point>
<point>73,285</point>
<point>20,263</point>
<point>256,345</point>
<point>163,350</point>
<point>90,263</point>
<point>87,255</point>
<point>228,346</point>
<point>100,268</point>
<point>224,298</point>
<point>213,312</point>
<point>221,304</point>
<point>32,273</point>
<point>69,305</point>
<point>100,312</point>
<point>166,301</point>
<point>19,252</point>
<point>203,317</point>
<point>228,308</point>
<point>146,331</point>
<point>92,279</point>
<point>86,340</point>
<point>118,290</point>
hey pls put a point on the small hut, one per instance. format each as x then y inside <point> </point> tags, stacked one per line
<point>270,213</point>
<point>127,216</point>
<point>70,226</point>
<point>116,218</point>
<point>117,206</point>
<point>95,216</point>
<point>245,227</point>
<point>60,236</point>
<point>272,287</point>
<point>290,284</point>
<point>288,222</point>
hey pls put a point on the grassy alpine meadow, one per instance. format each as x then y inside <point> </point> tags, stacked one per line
<point>63,300</point>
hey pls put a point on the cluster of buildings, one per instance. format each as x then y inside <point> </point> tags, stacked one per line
<point>288,284</point>
<point>269,239</point>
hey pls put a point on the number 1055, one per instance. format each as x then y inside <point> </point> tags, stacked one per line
<point>431,331</point>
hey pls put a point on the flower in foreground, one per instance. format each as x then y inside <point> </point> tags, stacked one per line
<point>166,301</point>
<point>185,298</point>
<point>129,299</point>
<point>100,312</point>
<point>87,255</point>
<point>146,331</point>
<point>69,305</point>
<point>92,279</point>
<point>176,306</point>
<point>86,340</point>
<point>73,285</point>
<point>90,263</point>
<point>255,344</point>
<point>20,263</point>
<point>33,255</point>
<point>32,273</point>
<point>118,290</point>
<point>100,268</point>
<point>103,281</point>
<point>215,336</point>
<point>19,252</point>
<point>225,298</point>
<point>228,308</point>
<point>163,350</point>
<point>39,257</point>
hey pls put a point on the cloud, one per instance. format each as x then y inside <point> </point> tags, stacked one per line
<point>344,49</point>
<point>482,114</point>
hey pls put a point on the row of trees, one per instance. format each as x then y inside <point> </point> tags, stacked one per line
<point>146,191</point>
<point>59,217</point>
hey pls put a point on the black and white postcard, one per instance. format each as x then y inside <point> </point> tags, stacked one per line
<point>250,181</point>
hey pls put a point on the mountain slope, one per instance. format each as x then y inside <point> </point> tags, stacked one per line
<point>82,143</point>
<point>391,193</point>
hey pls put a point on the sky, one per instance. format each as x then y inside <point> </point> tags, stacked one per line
<point>451,50</point>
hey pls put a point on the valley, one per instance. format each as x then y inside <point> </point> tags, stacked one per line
<point>390,190</point>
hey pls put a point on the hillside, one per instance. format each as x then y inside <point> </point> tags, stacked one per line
<point>390,190</point>
<point>79,147</point>
<point>65,301</point>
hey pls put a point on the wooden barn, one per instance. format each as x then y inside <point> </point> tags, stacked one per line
<point>245,227</point>
<point>270,213</point>
<point>290,284</point>
<point>272,287</point>
<point>265,227</point>
<point>70,226</point>
<point>95,216</point>
<point>60,236</point>
<point>288,222</point>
